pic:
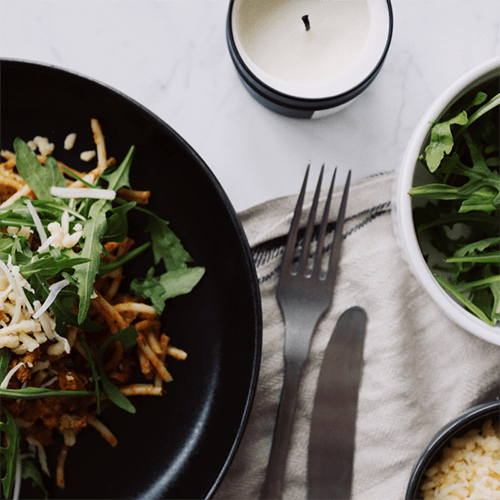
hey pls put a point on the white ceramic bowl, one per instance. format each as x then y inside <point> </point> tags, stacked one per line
<point>410,173</point>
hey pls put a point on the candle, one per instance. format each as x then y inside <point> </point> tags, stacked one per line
<point>307,58</point>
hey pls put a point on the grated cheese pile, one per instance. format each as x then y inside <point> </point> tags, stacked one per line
<point>24,327</point>
<point>469,468</point>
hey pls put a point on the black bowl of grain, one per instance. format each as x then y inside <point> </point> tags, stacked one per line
<point>462,460</point>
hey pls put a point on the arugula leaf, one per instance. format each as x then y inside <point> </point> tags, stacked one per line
<point>494,102</point>
<point>47,266</point>
<point>4,362</point>
<point>93,369</point>
<point>128,337</point>
<point>118,177</point>
<point>92,247</point>
<point>150,288</point>
<point>464,300</point>
<point>40,178</point>
<point>10,453</point>
<point>107,267</point>
<point>29,470</point>
<point>117,228</point>
<point>168,285</point>
<point>441,142</point>
<point>166,245</point>
<point>63,315</point>
<point>461,219</point>
<point>41,392</point>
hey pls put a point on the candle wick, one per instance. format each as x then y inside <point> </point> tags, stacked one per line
<point>307,24</point>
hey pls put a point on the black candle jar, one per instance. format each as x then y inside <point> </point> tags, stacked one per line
<point>307,59</point>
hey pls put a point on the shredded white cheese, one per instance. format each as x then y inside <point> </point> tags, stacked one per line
<point>55,288</point>
<point>24,327</point>
<point>60,237</point>
<point>6,380</point>
<point>44,146</point>
<point>38,223</point>
<point>69,141</point>
<point>87,155</point>
<point>105,194</point>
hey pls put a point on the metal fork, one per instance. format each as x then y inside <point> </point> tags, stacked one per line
<point>304,294</point>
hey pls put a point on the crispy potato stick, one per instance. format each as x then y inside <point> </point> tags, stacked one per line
<point>9,156</point>
<point>143,309</point>
<point>61,460</point>
<point>176,353</point>
<point>102,429</point>
<point>155,360</point>
<point>146,366</point>
<point>71,334</point>
<point>141,390</point>
<point>117,274</point>
<point>153,343</point>
<point>164,341</point>
<point>11,180</point>
<point>24,191</point>
<point>125,246</point>
<point>145,324</point>
<point>120,248</point>
<point>113,274</point>
<point>140,197</point>
<point>170,350</point>
<point>113,317</point>
<point>101,147</point>
<point>115,285</point>
<point>42,457</point>
<point>117,356</point>
<point>158,382</point>
<point>111,246</point>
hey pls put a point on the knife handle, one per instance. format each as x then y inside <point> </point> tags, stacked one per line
<point>275,475</point>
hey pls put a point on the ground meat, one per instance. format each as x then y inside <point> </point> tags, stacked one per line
<point>124,372</point>
<point>49,410</point>
<point>30,358</point>
<point>14,407</point>
<point>69,381</point>
<point>73,422</point>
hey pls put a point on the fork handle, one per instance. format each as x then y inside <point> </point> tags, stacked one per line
<point>275,475</point>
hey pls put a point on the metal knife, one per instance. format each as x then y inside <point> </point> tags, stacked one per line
<point>333,422</point>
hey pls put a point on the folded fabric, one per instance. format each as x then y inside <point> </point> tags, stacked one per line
<point>420,369</point>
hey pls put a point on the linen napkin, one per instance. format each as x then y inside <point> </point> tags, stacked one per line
<point>420,369</point>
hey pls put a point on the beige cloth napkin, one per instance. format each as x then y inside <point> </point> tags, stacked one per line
<point>421,370</point>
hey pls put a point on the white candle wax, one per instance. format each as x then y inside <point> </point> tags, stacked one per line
<point>343,45</point>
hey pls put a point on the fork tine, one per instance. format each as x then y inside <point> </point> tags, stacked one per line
<point>310,225</point>
<point>337,240</point>
<point>324,222</point>
<point>294,227</point>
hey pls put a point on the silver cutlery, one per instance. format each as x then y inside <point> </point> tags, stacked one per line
<point>304,293</point>
<point>333,421</point>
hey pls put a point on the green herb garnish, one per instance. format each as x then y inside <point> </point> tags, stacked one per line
<point>101,221</point>
<point>461,219</point>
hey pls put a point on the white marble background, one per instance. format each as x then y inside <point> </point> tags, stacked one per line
<point>172,57</point>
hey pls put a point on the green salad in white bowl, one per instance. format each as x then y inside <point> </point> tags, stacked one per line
<point>448,202</point>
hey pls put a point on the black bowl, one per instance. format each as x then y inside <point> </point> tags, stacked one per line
<point>179,445</point>
<point>473,418</point>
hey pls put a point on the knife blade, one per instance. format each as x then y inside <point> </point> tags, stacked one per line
<point>333,421</point>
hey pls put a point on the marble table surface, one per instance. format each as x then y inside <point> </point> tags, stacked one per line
<point>172,57</point>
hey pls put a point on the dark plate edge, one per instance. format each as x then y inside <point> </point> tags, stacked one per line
<point>245,247</point>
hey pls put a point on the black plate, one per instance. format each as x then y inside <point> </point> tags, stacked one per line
<point>180,445</point>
